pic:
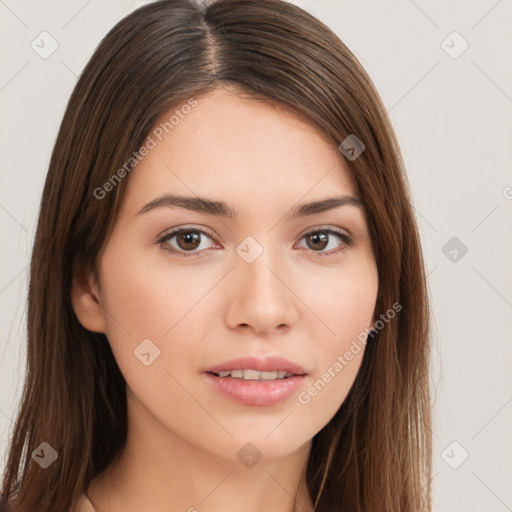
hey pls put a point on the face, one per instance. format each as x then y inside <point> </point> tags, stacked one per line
<point>262,282</point>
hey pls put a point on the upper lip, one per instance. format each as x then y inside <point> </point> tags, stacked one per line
<point>262,364</point>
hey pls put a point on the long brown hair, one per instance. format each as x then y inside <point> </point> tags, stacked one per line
<point>375,453</point>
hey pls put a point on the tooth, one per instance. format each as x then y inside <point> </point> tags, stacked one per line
<point>251,374</point>
<point>255,374</point>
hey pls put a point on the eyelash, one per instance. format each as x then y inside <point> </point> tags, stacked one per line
<point>346,239</point>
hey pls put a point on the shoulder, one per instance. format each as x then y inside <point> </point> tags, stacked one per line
<point>83,505</point>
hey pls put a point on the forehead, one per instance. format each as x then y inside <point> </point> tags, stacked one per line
<point>245,150</point>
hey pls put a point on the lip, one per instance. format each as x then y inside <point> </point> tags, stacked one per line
<point>256,392</point>
<point>262,364</point>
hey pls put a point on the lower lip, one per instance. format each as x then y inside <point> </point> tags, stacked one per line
<point>256,392</point>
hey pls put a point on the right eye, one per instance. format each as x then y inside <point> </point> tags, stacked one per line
<point>187,241</point>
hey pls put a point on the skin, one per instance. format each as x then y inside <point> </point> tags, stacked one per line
<point>293,300</point>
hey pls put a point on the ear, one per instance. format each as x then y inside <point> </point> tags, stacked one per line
<point>86,301</point>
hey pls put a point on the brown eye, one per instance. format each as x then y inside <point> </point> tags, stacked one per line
<point>187,240</point>
<point>317,241</point>
<point>320,239</point>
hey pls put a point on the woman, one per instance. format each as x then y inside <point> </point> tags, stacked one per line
<point>227,304</point>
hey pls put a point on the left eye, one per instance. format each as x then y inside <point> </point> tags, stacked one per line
<point>320,237</point>
<point>189,239</point>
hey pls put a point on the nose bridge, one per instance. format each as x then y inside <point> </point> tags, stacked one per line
<point>261,297</point>
<point>259,266</point>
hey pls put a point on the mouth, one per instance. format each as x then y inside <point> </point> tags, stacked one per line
<point>251,375</point>
<point>271,367</point>
<point>256,382</point>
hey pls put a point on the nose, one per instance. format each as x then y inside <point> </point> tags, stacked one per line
<point>261,296</point>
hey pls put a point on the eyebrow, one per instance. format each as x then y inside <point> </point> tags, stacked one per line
<point>222,209</point>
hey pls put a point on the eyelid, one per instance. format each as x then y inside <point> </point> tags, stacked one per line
<point>187,227</point>
<point>327,227</point>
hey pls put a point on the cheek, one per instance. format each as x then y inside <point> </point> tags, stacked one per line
<point>155,314</point>
<point>338,358</point>
<point>346,305</point>
<point>344,301</point>
<point>156,301</point>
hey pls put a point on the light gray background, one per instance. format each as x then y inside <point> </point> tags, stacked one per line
<point>452,118</point>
